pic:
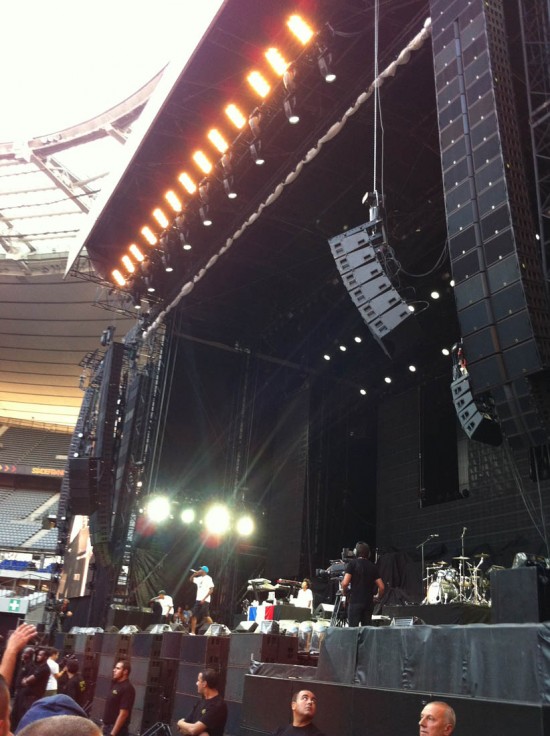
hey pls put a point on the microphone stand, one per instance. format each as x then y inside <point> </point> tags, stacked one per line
<point>421,547</point>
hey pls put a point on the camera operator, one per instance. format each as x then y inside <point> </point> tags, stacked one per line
<point>61,614</point>
<point>360,578</point>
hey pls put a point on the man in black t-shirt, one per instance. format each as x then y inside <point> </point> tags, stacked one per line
<point>210,713</point>
<point>75,686</point>
<point>360,577</point>
<point>35,684</point>
<point>304,707</point>
<point>118,708</point>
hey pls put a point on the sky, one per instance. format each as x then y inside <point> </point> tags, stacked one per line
<point>64,61</point>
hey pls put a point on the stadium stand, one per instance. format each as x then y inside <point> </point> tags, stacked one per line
<point>32,446</point>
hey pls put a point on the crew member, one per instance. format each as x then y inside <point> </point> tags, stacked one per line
<point>163,605</point>
<point>61,616</point>
<point>437,719</point>
<point>304,598</point>
<point>210,713</point>
<point>118,708</point>
<point>33,685</point>
<point>200,613</point>
<point>304,707</point>
<point>360,577</point>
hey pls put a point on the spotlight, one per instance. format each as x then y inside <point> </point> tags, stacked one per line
<point>245,526</point>
<point>277,61</point>
<point>202,162</point>
<point>357,339</point>
<point>289,106</point>
<point>149,235</point>
<point>259,83</point>
<point>254,123</point>
<point>188,516</point>
<point>343,348</point>
<point>187,183</point>
<point>217,140</point>
<point>236,116</point>
<point>204,215</point>
<point>435,295</point>
<point>363,391</point>
<point>326,356</point>
<point>217,520</point>
<point>446,351</point>
<point>256,153</point>
<point>204,192</point>
<point>228,188</point>
<point>158,508</point>
<point>412,368</point>
<point>387,379</point>
<point>300,29</point>
<point>325,66</point>
<point>289,79</point>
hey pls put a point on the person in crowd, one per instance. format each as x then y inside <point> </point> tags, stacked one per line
<point>304,599</point>
<point>75,687</point>
<point>361,576</point>
<point>46,708</point>
<point>61,726</point>
<point>437,719</point>
<point>163,607</point>
<point>24,669</point>
<point>5,725</point>
<point>51,685</point>
<point>19,639</point>
<point>34,684</point>
<point>304,708</point>
<point>200,613</point>
<point>210,713</point>
<point>118,708</point>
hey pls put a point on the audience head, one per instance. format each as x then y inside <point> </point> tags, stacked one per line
<point>61,726</point>
<point>304,707</point>
<point>47,708</point>
<point>362,549</point>
<point>437,719</point>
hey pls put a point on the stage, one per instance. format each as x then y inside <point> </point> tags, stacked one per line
<point>369,681</point>
<point>442,613</point>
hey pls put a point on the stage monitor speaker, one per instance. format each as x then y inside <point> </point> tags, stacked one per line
<point>269,627</point>
<point>324,610</point>
<point>519,597</point>
<point>246,626</point>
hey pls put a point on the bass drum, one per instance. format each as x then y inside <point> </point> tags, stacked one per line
<point>442,591</point>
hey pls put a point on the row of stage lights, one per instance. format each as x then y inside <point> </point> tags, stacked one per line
<point>171,235</point>
<point>217,520</point>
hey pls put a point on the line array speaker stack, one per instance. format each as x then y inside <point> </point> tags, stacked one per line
<point>500,293</point>
<point>357,257</point>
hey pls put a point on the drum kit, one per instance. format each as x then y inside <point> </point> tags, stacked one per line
<point>467,584</point>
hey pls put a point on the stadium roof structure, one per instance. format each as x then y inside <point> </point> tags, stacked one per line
<point>89,104</point>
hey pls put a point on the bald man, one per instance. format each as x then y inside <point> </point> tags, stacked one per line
<point>437,719</point>
<point>61,726</point>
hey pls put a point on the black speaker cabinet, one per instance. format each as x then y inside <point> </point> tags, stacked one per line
<point>519,596</point>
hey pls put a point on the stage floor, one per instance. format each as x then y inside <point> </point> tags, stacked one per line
<point>441,613</point>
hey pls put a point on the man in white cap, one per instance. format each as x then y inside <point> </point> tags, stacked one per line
<point>200,613</point>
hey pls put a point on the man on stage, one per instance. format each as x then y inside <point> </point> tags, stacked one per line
<point>360,577</point>
<point>200,613</point>
<point>163,607</point>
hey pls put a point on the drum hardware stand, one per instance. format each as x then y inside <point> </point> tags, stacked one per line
<point>421,547</point>
<point>461,576</point>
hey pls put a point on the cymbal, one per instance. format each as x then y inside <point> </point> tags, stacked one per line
<point>461,558</point>
<point>482,555</point>
<point>441,563</point>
